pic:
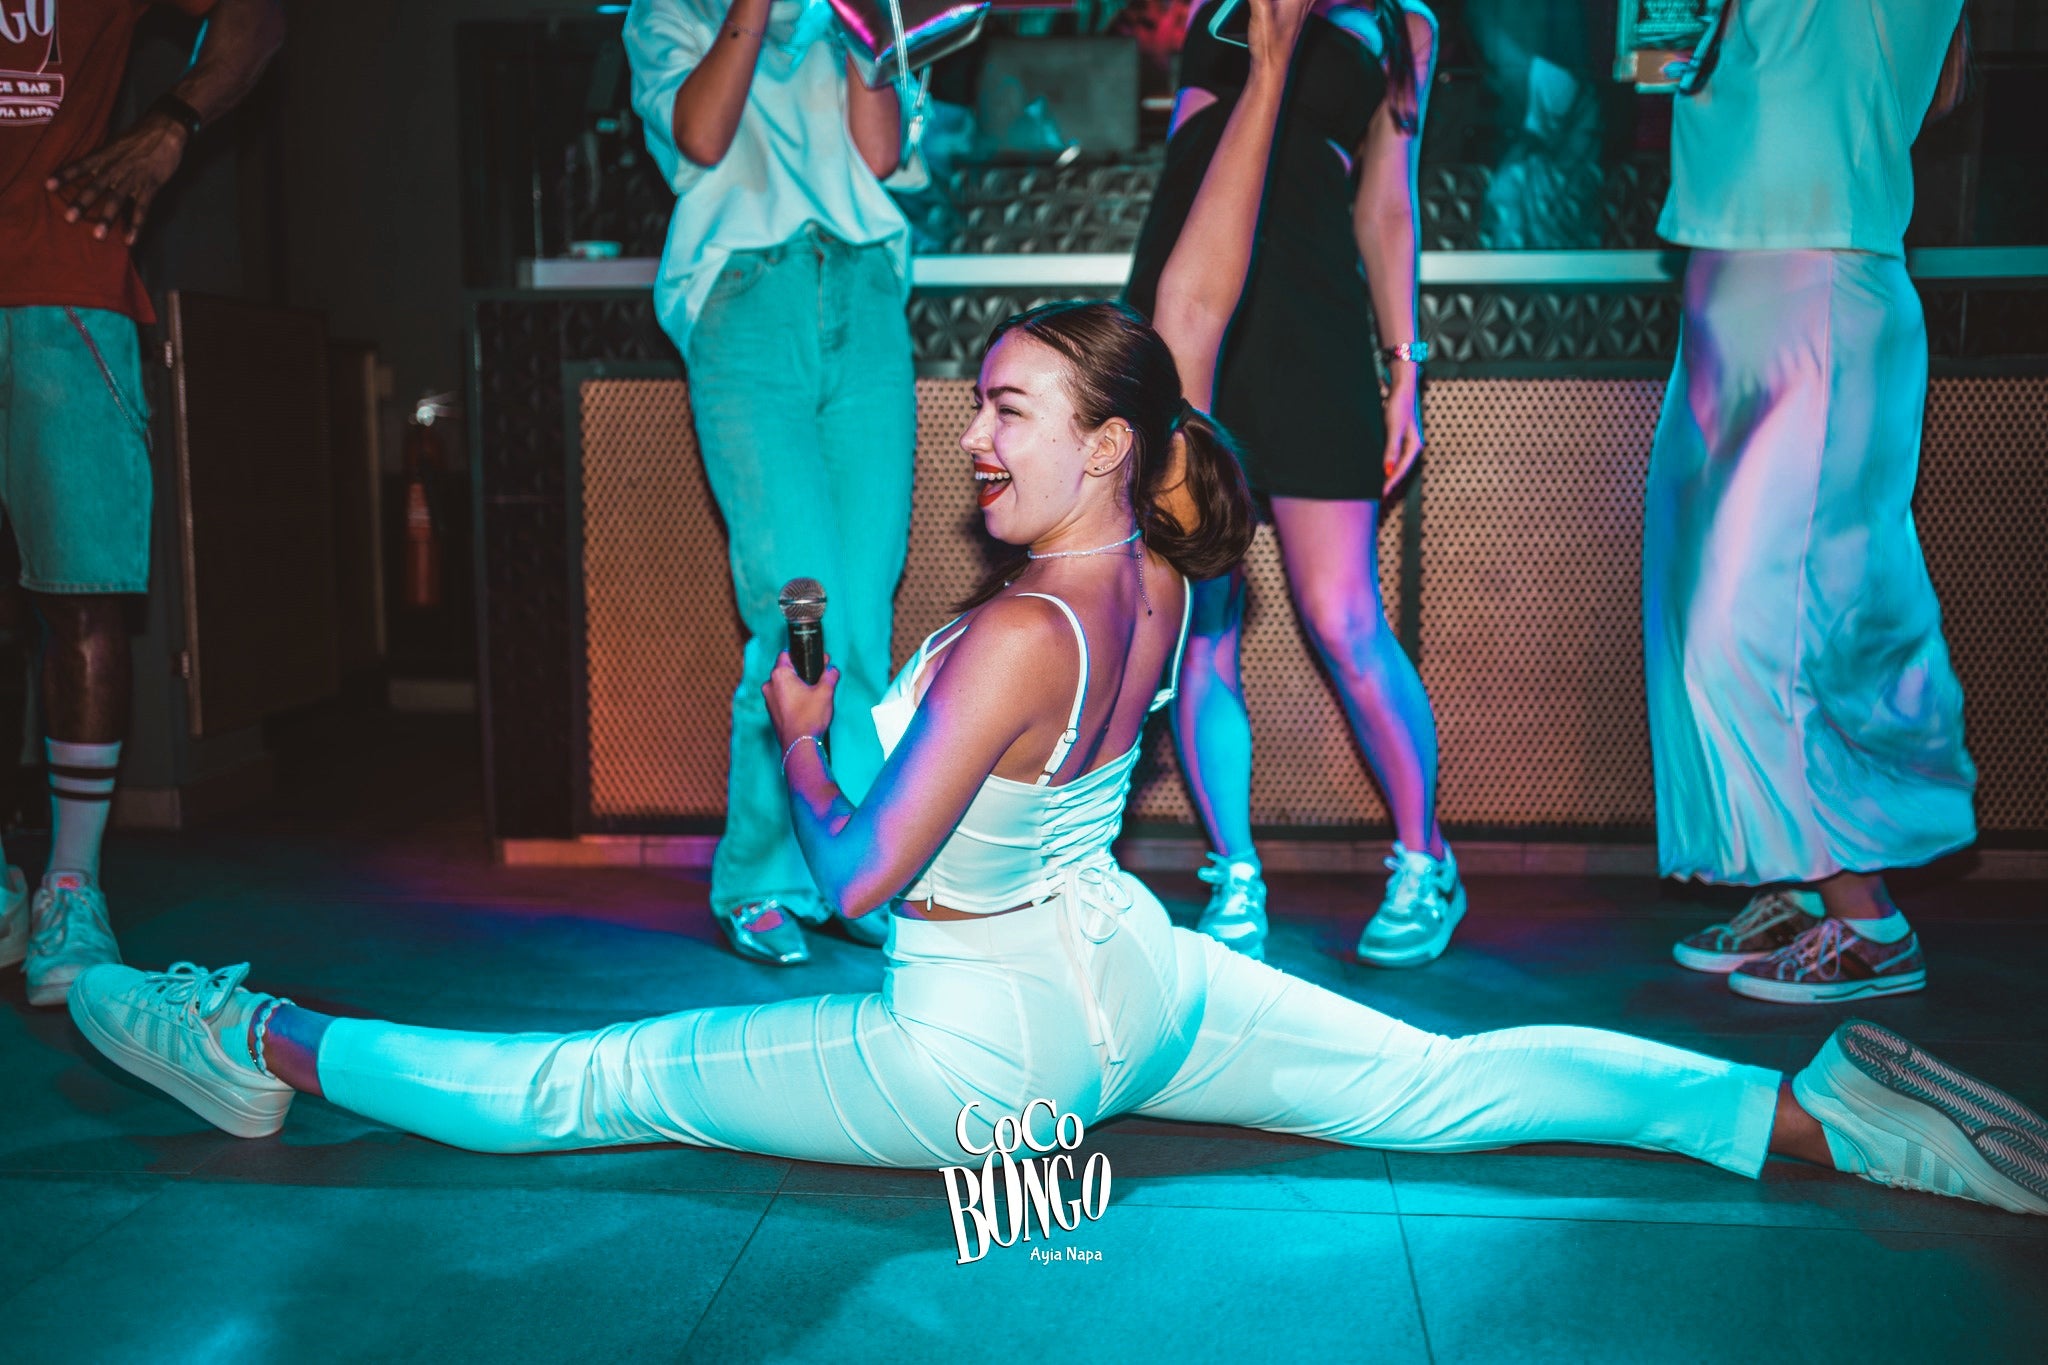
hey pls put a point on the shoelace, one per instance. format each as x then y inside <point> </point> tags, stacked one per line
<point>1762,913</point>
<point>1410,886</point>
<point>194,988</point>
<point>1813,952</point>
<point>56,926</point>
<point>1234,882</point>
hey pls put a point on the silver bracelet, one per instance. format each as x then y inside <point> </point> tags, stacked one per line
<point>792,749</point>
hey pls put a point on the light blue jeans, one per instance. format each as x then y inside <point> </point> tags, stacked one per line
<point>806,410</point>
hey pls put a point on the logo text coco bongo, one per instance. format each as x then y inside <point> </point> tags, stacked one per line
<point>998,1202</point>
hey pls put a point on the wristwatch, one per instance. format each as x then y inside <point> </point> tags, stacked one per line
<point>1415,352</point>
<point>177,111</point>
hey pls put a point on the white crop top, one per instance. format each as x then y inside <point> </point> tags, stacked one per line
<point>1017,839</point>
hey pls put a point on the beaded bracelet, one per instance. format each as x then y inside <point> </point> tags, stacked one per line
<point>792,749</point>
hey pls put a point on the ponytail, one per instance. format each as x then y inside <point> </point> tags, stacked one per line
<point>1195,509</point>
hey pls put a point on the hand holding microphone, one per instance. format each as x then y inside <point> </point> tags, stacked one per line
<point>800,697</point>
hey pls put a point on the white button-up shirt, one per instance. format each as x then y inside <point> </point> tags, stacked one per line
<point>792,160</point>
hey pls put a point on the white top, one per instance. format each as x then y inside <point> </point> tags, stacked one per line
<point>792,159</point>
<point>1800,137</point>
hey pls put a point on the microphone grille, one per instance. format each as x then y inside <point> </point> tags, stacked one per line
<point>803,599</point>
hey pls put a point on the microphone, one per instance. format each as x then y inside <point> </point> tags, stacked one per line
<point>803,607</point>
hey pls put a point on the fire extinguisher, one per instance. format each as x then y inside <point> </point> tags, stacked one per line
<point>426,455</point>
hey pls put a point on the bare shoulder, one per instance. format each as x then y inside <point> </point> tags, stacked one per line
<point>1012,641</point>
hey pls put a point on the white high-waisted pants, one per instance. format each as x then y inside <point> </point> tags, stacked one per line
<point>1093,1001</point>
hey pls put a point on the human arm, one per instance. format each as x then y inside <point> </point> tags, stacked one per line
<point>874,118</point>
<point>1204,275</point>
<point>111,189</point>
<point>1008,679</point>
<point>707,107</point>
<point>1385,220</point>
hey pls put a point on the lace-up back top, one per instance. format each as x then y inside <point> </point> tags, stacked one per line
<point>1018,841</point>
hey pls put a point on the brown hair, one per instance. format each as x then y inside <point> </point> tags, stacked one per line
<point>1185,486</point>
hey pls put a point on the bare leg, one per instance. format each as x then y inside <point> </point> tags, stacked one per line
<point>1331,550</point>
<point>1796,1133</point>
<point>1856,895</point>
<point>1210,725</point>
<point>291,1046</point>
<point>86,671</point>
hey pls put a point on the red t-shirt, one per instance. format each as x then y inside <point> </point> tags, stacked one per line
<point>60,73</point>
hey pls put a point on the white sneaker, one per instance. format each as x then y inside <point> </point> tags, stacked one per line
<point>1424,902</point>
<point>1897,1116</point>
<point>168,1028</point>
<point>1236,914</point>
<point>68,932</point>
<point>14,919</point>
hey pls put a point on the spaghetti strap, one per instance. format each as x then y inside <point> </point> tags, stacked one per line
<point>1180,648</point>
<point>1073,731</point>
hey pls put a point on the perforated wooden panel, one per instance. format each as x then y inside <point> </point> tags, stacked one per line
<point>1530,606</point>
<point>1982,510</point>
<point>1531,598</point>
<point>661,638</point>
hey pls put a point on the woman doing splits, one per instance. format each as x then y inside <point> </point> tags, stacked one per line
<point>1023,964</point>
<point>1299,388</point>
<point>1805,723</point>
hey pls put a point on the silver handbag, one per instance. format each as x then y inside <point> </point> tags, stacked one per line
<point>886,38</point>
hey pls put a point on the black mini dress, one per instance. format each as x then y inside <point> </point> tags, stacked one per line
<point>1298,385</point>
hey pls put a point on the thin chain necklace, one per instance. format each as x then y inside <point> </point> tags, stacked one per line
<point>1103,550</point>
<point>1076,554</point>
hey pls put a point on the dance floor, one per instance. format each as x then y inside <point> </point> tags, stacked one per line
<point>136,1232</point>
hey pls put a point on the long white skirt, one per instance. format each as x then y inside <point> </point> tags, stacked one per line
<point>1804,717</point>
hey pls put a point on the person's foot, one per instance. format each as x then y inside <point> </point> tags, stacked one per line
<point>1424,902</point>
<point>14,919</point>
<point>68,932</point>
<point>185,1031</point>
<point>766,931</point>
<point>1896,1115</point>
<point>1830,962</point>
<point>1771,920</point>
<point>1236,914</point>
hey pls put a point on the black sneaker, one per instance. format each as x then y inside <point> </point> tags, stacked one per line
<point>1771,920</point>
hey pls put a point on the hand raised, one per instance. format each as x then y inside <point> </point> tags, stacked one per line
<point>1275,28</point>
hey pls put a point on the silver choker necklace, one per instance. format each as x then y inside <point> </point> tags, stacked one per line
<point>1076,554</point>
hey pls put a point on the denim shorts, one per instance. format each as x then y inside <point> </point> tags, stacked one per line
<point>74,449</point>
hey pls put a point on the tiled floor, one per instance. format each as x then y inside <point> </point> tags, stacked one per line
<point>135,1232</point>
